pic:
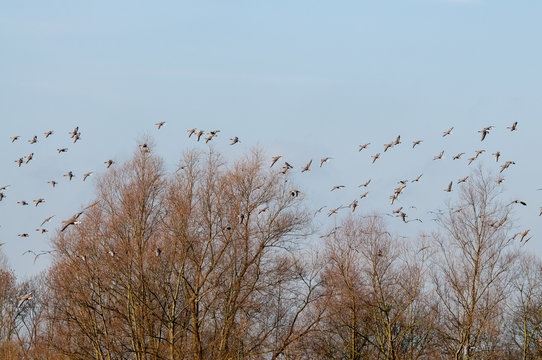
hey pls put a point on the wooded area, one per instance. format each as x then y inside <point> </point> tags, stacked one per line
<point>213,262</point>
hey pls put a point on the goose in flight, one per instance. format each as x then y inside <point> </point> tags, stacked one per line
<point>449,188</point>
<point>264,209</point>
<point>374,157</point>
<point>506,165</point>
<point>2,196</point>
<point>28,158</point>
<point>307,167</point>
<point>69,175</point>
<point>160,124</point>
<point>333,211</point>
<point>274,160</point>
<point>387,146</point>
<point>365,184</point>
<point>76,137</point>
<point>71,221</point>
<point>48,133</point>
<point>337,187</point>
<point>33,140</point>
<point>324,160</point>
<point>24,235</point>
<point>462,180</point>
<point>354,205</point>
<point>14,138</point>
<point>24,298</point>
<point>522,235</point>
<point>397,140</point>
<point>19,161</point>
<point>472,159</point>
<point>364,195</point>
<point>458,156</point>
<point>108,163</point>
<point>294,193</point>
<point>417,142</point>
<point>22,202</point>
<point>62,150</point>
<point>513,127</point>
<point>364,146</point>
<point>241,218</point>
<point>86,175</point>
<point>52,182</point>
<point>74,132</point>
<point>518,202</point>
<point>418,178</point>
<point>234,140</point>
<point>497,155</point>
<point>478,152</point>
<point>199,134</point>
<point>41,231</point>
<point>447,132</point>
<point>47,220</point>
<point>4,187</point>
<point>485,131</point>
<point>191,131</point>
<point>439,156</point>
<point>38,201</point>
<point>500,180</point>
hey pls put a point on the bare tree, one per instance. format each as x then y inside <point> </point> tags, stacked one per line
<point>472,272</point>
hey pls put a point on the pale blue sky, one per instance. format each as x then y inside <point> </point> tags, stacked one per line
<point>303,79</point>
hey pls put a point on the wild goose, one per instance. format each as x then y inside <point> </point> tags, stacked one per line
<point>199,134</point>
<point>14,138</point>
<point>439,156</point>
<point>24,298</point>
<point>364,146</point>
<point>69,175</point>
<point>458,156</point>
<point>418,178</point>
<point>160,124</point>
<point>337,187</point>
<point>397,140</point>
<point>513,127</point>
<point>472,159</point>
<point>447,132</point>
<point>462,180</point>
<point>33,140</point>
<point>449,188</point>
<point>375,157</point>
<point>324,160</point>
<point>47,220</point>
<point>365,184</point>
<point>387,146</point>
<point>417,142</point>
<point>41,231</point>
<point>353,205</point>
<point>307,167</point>
<point>74,132</point>
<point>71,221</point>
<point>294,193</point>
<point>38,201</point>
<point>2,196</point>
<point>86,175</point>
<point>62,150</point>
<point>4,187</point>
<point>52,182</point>
<point>364,195</point>
<point>478,152</point>
<point>497,156</point>
<point>48,133</point>
<point>518,202</point>
<point>506,165</point>
<point>28,158</point>
<point>19,161</point>
<point>274,160</point>
<point>108,163</point>
<point>22,202</point>
<point>25,235</point>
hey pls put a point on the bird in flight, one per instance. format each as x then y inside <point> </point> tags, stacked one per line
<point>24,298</point>
<point>33,140</point>
<point>38,201</point>
<point>22,202</point>
<point>458,156</point>
<point>447,132</point>
<point>364,146</point>
<point>497,155</point>
<point>234,140</point>
<point>449,188</point>
<point>324,160</point>
<point>387,146</point>
<point>86,175</point>
<point>191,131</point>
<point>307,167</point>
<point>108,163</point>
<point>52,182</point>
<point>47,220</point>
<point>418,178</point>
<point>374,157</point>
<point>48,133</point>
<point>462,180</point>
<point>365,184</point>
<point>160,124</point>
<point>62,150</point>
<point>14,138</point>
<point>69,175</point>
<point>19,161</point>
<point>337,187</point>
<point>71,221</point>
<point>506,165</point>
<point>28,158</point>
<point>439,156</point>
<point>417,142</point>
<point>513,127</point>
<point>274,160</point>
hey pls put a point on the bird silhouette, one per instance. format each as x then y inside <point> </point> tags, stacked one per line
<point>307,167</point>
<point>48,133</point>
<point>234,140</point>
<point>513,127</point>
<point>439,156</point>
<point>160,124</point>
<point>364,146</point>
<point>375,157</point>
<point>33,140</point>
<point>324,160</point>
<point>62,150</point>
<point>69,175</point>
<point>447,132</point>
<point>417,142</point>
<point>449,188</point>
<point>14,138</point>
<point>274,160</point>
<point>497,155</point>
<point>71,221</point>
<point>52,182</point>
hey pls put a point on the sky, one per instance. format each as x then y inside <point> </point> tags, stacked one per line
<point>303,79</point>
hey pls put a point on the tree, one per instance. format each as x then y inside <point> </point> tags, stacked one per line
<point>472,273</point>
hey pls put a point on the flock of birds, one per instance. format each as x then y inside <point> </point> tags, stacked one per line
<point>400,213</point>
